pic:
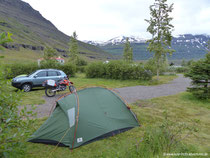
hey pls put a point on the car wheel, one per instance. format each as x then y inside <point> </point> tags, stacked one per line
<point>26,87</point>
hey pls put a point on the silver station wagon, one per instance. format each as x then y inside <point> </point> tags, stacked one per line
<point>36,78</point>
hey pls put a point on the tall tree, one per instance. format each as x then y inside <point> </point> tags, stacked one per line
<point>49,53</point>
<point>160,28</point>
<point>73,47</point>
<point>128,51</point>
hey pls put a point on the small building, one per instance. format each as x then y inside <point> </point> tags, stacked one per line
<point>58,59</point>
<point>106,62</point>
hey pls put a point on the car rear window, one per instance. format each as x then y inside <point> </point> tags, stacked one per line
<point>52,73</point>
<point>42,74</point>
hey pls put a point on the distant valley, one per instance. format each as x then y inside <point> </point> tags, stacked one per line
<point>187,46</point>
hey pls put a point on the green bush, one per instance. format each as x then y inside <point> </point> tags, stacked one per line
<point>117,70</point>
<point>49,64</point>
<point>68,68</point>
<point>165,138</point>
<point>81,69</point>
<point>199,73</point>
<point>14,123</point>
<point>184,69</point>
<point>95,70</point>
<point>151,65</point>
<point>80,62</point>
<point>14,70</point>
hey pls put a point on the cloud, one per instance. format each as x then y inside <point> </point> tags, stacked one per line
<point>191,16</point>
<point>105,19</point>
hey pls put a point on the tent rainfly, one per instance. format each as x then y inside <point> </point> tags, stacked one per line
<point>89,115</point>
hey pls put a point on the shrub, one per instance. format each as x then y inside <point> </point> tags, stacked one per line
<point>49,64</point>
<point>80,62</point>
<point>171,70</point>
<point>14,70</point>
<point>68,68</point>
<point>96,70</point>
<point>165,138</point>
<point>199,72</point>
<point>14,123</point>
<point>117,70</point>
<point>81,69</point>
<point>184,69</point>
<point>151,65</point>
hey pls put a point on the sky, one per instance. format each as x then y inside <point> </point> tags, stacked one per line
<point>101,20</point>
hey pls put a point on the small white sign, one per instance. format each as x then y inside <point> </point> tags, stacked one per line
<point>51,82</point>
<point>79,140</point>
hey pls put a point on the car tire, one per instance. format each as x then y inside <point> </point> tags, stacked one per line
<point>26,87</point>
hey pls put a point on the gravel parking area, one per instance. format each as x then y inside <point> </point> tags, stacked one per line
<point>130,94</point>
<point>45,109</point>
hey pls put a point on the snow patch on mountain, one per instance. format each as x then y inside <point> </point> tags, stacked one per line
<point>186,39</point>
<point>118,40</point>
<point>122,39</point>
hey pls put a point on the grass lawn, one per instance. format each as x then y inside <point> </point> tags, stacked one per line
<point>80,81</point>
<point>182,107</point>
<point>21,56</point>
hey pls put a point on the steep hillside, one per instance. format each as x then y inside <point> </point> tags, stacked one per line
<point>187,46</point>
<point>31,30</point>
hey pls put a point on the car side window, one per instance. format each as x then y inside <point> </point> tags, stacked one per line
<point>52,73</point>
<point>58,73</point>
<point>41,74</point>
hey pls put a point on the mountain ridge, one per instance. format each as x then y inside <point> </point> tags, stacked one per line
<point>187,46</point>
<point>30,28</point>
<point>137,39</point>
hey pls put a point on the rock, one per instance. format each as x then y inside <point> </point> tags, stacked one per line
<point>92,57</point>
<point>82,53</point>
<point>31,47</point>
<point>60,50</point>
<point>65,55</point>
<point>2,23</point>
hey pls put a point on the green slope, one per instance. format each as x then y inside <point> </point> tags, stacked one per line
<point>185,51</point>
<point>29,27</point>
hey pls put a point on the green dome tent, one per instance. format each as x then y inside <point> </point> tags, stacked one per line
<point>85,116</point>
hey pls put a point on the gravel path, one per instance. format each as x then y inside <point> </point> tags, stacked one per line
<point>132,94</point>
<point>44,110</point>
